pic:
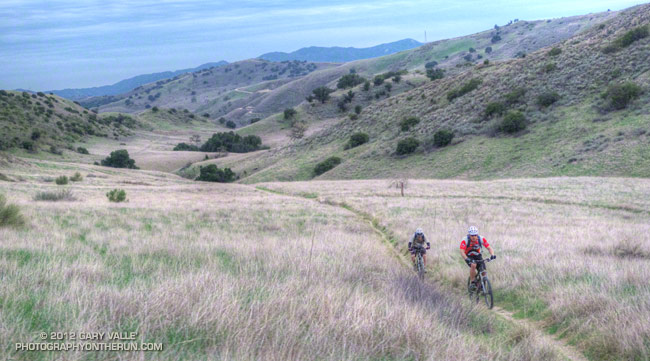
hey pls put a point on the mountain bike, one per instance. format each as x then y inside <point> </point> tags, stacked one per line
<point>419,261</point>
<point>483,287</point>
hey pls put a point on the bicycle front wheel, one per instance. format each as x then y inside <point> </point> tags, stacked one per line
<point>487,293</point>
<point>420,267</point>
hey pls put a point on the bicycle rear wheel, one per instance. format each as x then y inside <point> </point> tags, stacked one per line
<point>420,265</point>
<point>487,293</point>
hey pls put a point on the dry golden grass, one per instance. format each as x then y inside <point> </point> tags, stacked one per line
<point>223,272</point>
<point>572,252</point>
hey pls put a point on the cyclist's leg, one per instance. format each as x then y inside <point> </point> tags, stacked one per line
<point>424,257</point>
<point>472,272</point>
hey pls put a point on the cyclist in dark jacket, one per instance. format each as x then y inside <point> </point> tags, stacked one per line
<point>418,240</point>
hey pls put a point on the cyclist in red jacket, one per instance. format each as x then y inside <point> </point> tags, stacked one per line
<point>470,249</point>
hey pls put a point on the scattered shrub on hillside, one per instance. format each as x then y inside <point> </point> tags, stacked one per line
<point>61,180</point>
<point>621,95</point>
<point>486,62</point>
<point>366,86</point>
<point>357,139</point>
<point>549,67</point>
<point>407,146</point>
<point>154,109</point>
<point>494,108</point>
<point>55,150</point>
<point>28,145</point>
<point>627,39</point>
<point>186,147</point>
<point>468,57</point>
<point>322,93</point>
<point>407,123</point>
<point>472,50</point>
<point>119,159</point>
<point>555,52</point>
<point>435,73</point>
<point>431,64</point>
<point>116,195</point>
<point>488,50</point>
<point>289,113</point>
<point>10,215</point>
<point>35,134</point>
<point>349,81</point>
<point>388,87</point>
<point>82,150</point>
<point>495,38</point>
<point>548,98</point>
<point>77,177</point>
<point>353,116</point>
<point>464,89</point>
<point>443,137</point>
<point>357,109</point>
<point>515,96</point>
<point>255,120</point>
<point>211,173</point>
<point>298,130</point>
<point>222,120</point>
<point>62,195</point>
<point>341,105</point>
<point>231,142</point>
<point>378,80</point>
<point>513,122</point>
<point>326,165</point>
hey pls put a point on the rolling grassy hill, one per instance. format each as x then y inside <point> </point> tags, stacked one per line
<point>565,97</point>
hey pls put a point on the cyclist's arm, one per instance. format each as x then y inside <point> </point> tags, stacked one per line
<point>490,250</point>
<point>462,254</point>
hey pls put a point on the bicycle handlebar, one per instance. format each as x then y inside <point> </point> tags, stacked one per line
<point>481,260</point>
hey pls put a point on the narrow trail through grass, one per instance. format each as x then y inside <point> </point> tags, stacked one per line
<point>568,351</point>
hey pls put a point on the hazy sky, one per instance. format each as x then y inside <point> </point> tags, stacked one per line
<point>57,44</point>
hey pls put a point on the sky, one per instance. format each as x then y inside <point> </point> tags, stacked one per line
<point>56,44</point>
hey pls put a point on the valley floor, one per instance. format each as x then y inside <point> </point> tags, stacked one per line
<point>280,271</point>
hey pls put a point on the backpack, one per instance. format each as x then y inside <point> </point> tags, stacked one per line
<point>467,242</point>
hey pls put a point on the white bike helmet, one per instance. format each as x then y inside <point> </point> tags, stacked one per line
<point>419,231</point>
<point>472,231</point>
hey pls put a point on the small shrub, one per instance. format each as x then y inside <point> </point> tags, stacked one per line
<point>326,165</point>
<point>621,95</point>
<point>82,150</point>
<point>255,120</point>
<point>222,120</point>
<point>435,74</point>
<point>407,146</point>
<point>186,147</point>
<point>62,195</point>
<point>116,195</point>
<point>230,124</point>
<point>353,116</point>
<point>547,99</point>
<point>357,139</point>
<point>289,113</point>
<point>349,81</point>
<point>513,122</point>
<point>119,159</point>
<point>555,52</point>
<point>322,93</point>
<point>549,67</point>
<point>494,108</point>
<point>28,145</point>
<point>627,39</point>
<point>61,180</point>
<point>431,64</point>
<point>488,50</point>
<point>464,89</point>
<point>211,173</point>
<point>36,134</point>
<point>357,109</point>
<point>407,123</point>
<point>495,38</point>
<point>366,86</point>
<point>443,137</point>
<point>77,177</point>
<point>10,215</point>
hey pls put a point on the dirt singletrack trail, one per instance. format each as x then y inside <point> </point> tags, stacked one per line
<point>566,350</point>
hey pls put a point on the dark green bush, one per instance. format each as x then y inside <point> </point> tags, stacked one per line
<point>10,215</point>
<point>494,108</point>
<point>378,80</point>
<point>211,173</point>
<point>407,146</point>
<point>357,109</point>
<point>119,159</point>
<point>435,74</point>
<point>255,120</point>
<point>76,177</point>
<point>549,67</point>
<point>230,124</point>
<point>82,150</point>
<point>407,123</point>
<point>222,120</point>
<point>322,93</point>
<point>555,52</point>
<point>116,195</point>
<point>488,50</point>
<point>349,81</point>
<point>627,39</point>
<point>231,142</point>
<point>326,165</point>
<point>36,134</point>
<point>431,64</point>
<point>28,145</point>
<point>621,95</point>
<point>289,113</point>
<point>61,180</point>
<point>546,99</point>
<point>357,139</point>
<point>443,137</point>
<point>464,89</point>
<point>186,147</point>
<point>495,38</point>
<point>513,122</point>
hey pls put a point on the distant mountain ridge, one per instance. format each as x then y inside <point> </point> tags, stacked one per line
<point>129,84</point>
<point>339,54</point>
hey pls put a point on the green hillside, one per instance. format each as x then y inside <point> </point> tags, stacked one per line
<point>566,98</point>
